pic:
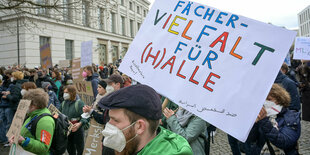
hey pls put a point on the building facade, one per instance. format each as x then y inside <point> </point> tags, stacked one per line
<point>110,24</point>
<point>304,22</point>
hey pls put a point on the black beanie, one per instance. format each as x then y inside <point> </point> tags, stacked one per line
<point>102,84</point>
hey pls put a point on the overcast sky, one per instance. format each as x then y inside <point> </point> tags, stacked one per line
<point>277,12</point>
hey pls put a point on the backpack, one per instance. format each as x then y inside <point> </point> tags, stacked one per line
<point>60,137</point>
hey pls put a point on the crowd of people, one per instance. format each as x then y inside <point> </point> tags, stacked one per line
<point>135,120</point>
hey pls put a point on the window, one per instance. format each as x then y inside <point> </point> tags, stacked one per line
<point>69,49</point>
<point>102,53</point>
<point>130,6</point>
<point>124,50</point>
<point>85,13</point>
<point>100,18</point>
<point>44,41</point>
<point>145,13</point>
<point>131,29</point>
<point>138,24</point>
<point>41,10</point>
<point>123,25</point>
<point>67,12</point>
<point>138,10</point>
<point>114,53</point>
<point>122,2</point>
<point>113,22</point>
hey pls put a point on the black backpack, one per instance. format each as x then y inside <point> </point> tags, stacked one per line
<point>60,137</point>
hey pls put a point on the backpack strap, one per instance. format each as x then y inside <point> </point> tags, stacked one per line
<point>62,105</point>
<point>76,105</point>
<point>33,123</point>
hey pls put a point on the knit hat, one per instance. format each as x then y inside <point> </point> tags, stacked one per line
<point>45,84</point>
<point>103,84</point>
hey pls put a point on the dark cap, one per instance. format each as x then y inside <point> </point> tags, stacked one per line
<point>140,99</point>
<point>116,78</point>
<point>103,84</point>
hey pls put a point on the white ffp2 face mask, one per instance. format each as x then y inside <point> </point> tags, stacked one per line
<point>109,89</point>
<point>272,108</point>
<point>66,96</point>
<point>114,138</point>
<point>23,92</point>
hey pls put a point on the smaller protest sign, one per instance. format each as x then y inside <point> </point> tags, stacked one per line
<point>18,120</point>
<point>302,48</point>
<point>85,91</point>
<point>86,53</point>
<point>55,112</point>
<point>93,140</point>
<point>76,69</point>
<point>46,56</point>
<point>64,63</point>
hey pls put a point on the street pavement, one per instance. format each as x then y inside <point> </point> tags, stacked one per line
<point>221,146</point>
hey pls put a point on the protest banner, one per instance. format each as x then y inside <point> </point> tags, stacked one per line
<point>46,56</point>
<point>76,69</point>
<point>94,139</point>
<point>18,120</point>
<point>302,48</point>
<point>16,149</point>
<point>86,53</point>
<point>85,91</point>
<point>218,65</point>
<point>64,63</point>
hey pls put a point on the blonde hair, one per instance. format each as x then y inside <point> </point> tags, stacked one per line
<point>18,75</point>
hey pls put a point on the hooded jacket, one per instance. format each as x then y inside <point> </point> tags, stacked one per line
<point>15,95</point>
<point>44,133</point>
<point>285,137</point>
<point>168,143</point>
<point>291,87</point>
<point>94,82</point>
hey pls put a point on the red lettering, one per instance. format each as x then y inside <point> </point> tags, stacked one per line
<point>152,56</point>
<point>178,73</point>
<point>192,77</point>
<point>209,81</point>
<point>169,63</point>
<point>225,35</point>
<point>167,21</point>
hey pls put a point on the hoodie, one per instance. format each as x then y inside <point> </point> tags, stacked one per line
<point>94,82</point>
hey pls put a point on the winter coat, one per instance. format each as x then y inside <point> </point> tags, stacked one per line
<point>15,95</point>
<point>40,143</point>
<point>94,82</point>
<point>285,137</point>
<point>46,79</point>
<point>53,99</point>
<point>192,132</point>
<point>291,87</point>
<point>167,142</point>
<point>72,111</point>
<point>4,102</point>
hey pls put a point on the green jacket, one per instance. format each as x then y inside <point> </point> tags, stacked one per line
<point>168,143</point>
<point>44,133</point>
<point>69,109</point>
<point>191,132</point>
